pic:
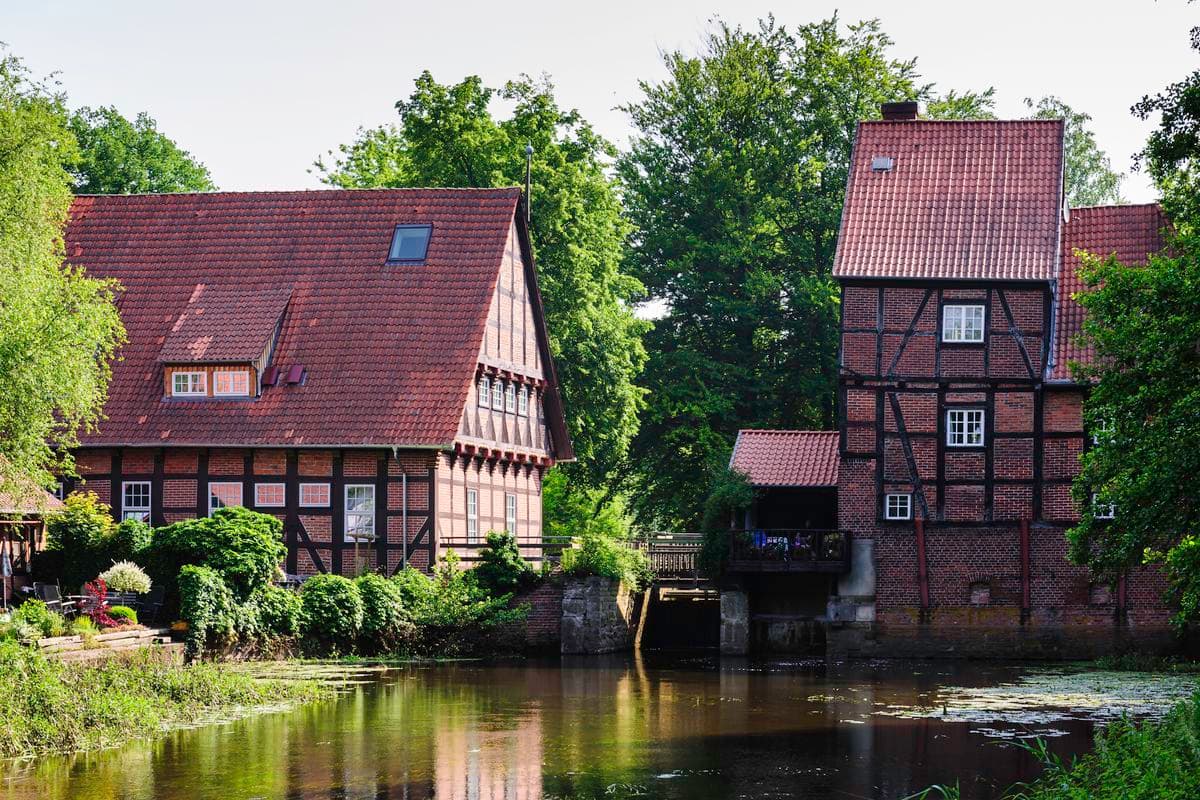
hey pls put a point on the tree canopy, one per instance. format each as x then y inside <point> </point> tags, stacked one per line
<point>734,184</point>
<point>448,136</point>
<point>59,329</point>
<point>117,156</point>
<point>1090,179</point>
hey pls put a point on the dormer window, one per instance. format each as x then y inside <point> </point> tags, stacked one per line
<point>409,243</point>
<point>231,383</point>
<point>189,384</point>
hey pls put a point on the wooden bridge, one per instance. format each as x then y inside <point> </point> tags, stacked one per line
<point>673,556</point>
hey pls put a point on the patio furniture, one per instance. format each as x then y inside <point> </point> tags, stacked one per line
<point>151,605</point>
<point>48,593</point>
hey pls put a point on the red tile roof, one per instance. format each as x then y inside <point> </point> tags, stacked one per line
<point>390,350</point>
<point>224,324</point>
<point>1131,233</point>
<point>976,200</point>
<point>787,458</point>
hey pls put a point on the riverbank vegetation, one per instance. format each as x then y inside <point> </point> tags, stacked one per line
<point>48,706</point>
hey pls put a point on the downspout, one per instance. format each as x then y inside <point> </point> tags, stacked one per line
<point>404,509</point>
<point>922,569</point>
<point>1025,576</point>
<point>1121,597</point>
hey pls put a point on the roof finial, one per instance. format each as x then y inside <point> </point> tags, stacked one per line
<point>528,183</point>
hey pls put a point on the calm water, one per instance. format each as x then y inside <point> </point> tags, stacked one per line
<point>607,728</point>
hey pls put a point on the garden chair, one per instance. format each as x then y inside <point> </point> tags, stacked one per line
<point>152,605</point>
<point>48,593</point>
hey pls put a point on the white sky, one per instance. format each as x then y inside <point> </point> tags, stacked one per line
<point>256,90</point>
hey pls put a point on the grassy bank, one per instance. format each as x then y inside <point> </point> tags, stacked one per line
<point>47,706</point>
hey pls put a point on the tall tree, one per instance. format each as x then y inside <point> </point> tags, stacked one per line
<point>734,184</point>
<point>58,328</point>
<point>447,136</point>
<point>1145,325</point>
<point>117,156</point>
<point>1089,176</point>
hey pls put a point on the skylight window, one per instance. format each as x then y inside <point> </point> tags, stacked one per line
<point>409,243</point>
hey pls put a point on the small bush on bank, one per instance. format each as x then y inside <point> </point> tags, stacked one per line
<point>33,617</point>
<point>124,615</point>
<point>385,628</point>
<point>599,555</point>
<point>208,607</point>
<point>279,612</point>
<point>332,615</point>
<point>501,570</point>
<point>126,576</point>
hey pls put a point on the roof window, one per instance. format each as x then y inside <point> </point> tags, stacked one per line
<point>409,243</point>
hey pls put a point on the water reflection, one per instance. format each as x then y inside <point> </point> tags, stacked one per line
<point>614,728</point>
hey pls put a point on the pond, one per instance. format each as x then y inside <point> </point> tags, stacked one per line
<point>624,727</point>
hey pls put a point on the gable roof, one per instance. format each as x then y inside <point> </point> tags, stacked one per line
<point>390,349</point>
<point>963,200</point>
<point>787,458</point>
<point>224,324</point>
<point>1131,233</point>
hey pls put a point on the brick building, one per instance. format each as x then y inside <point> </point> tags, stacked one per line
<point>960,425</point>
<point>372,367</point>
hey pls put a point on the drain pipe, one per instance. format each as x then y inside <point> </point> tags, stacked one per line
<point>404,517</point>
<point>1025,577</point>
<point>922,567</point>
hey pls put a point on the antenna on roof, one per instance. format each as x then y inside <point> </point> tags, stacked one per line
<point>528,169</point>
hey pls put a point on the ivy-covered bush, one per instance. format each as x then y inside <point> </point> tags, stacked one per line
<point>126,576</point>
<point>129,541</point>
<point>501,570</point>
<point>123,615</point>
<point>385,628</point>
<point>244,547</point>
<point>332,613</point>
<point>207,606</point>
<point>600,555</point>
<point>279,612</point>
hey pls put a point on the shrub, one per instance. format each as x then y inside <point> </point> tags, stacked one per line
<point>79,536</point>
<point>97,607</point>
<point>332,613</point>
<point>599,555</point>
<point>729,491</point>
<point>384,625</point>
<point>243,547</point>
<point>33,614</point>
<point>207,605</point>
<point>123,615</point>
<point>279,612</point>
<point>126,576</point>
<point>501,570</point>
<point>130,540</point>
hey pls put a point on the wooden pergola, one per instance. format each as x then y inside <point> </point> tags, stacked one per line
<point>23,510</point>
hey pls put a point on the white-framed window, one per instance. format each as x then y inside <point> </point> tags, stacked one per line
<point>135,500</point>
<point>498,395</point>
<point>523,401</point>
<point>964,427</point>
<point>314,495</point>
<point>1103,510</point>
<point>231,383</point>
<point>962,323</point>
<point>269,495</point>
<point>485,391</point>
<point>223,494</point>
<point>510,513</point>
<point>472,515</point>
<point>510,397</point>
<point>897,506</point>
<point>360,512</point>
<point>188,384</point>
<point>1101,431</point>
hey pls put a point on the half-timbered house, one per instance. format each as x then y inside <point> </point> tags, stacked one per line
<point>370,366</point>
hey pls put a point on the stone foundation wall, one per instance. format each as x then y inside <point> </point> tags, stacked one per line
<point>599,615</point>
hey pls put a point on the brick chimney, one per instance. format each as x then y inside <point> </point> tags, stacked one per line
<point>899,112</point>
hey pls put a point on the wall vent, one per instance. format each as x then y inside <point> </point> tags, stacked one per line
<point>295,374</point>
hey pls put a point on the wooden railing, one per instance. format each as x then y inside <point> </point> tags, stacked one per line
<point>672,555</point>
<point>789,550</point>
<point>548,549</point>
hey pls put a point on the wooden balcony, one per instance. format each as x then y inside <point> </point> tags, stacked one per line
<point>789,550</point>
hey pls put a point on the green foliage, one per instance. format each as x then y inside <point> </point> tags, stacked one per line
<point>447,136</point>
<point>332,614</point>
<point>598,555</point>
<point>279,612</point>
<point>117,156</point>
<point>964,105</point>
<point>59,329</point>
<point>1090,180</point>
<point>729,492</point>
<point>129,540</point>
<point>35,614</point>
<point>123,614</point>
<point>80,535</point>
<point>1144,323</point>
<point>735,184</point>
<point>48,706</point>
<point>208,608</point>
<point>385,627</point>
<point>568,511</point>
<point>244,547</point>
<point>501,570</point>
<point>125,576</point>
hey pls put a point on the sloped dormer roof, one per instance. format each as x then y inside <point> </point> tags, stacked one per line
<point>787,458</point>
<point>975,200</point>
<point>224,325</point>
<point>1131,233</point>
<point>390,350</point>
